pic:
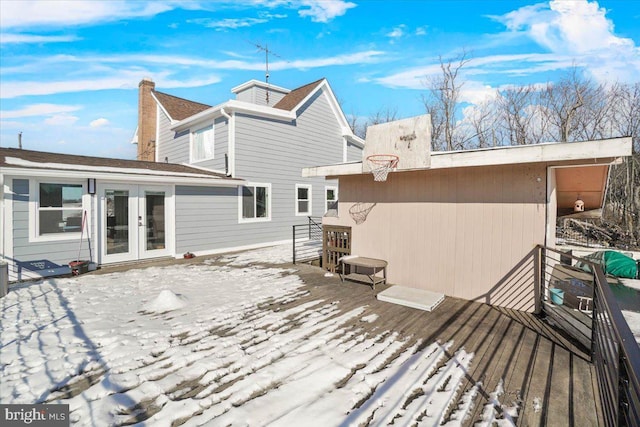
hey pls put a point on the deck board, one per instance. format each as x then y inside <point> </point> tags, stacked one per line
<point>531,358</point>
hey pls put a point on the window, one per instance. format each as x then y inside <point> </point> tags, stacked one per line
<point>331,198</point>
<point>202,144</point>
<point>255,203</point>
<point>59,208</point>
<point>303,199</point>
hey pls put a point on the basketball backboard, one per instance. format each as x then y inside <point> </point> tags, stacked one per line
<point>409,139</point>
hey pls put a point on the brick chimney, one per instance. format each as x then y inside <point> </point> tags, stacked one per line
<point>146,121</point>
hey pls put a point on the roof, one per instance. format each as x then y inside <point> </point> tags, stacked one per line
<point>30,160</point>
<point>179,108</point>
<point>556,153</point>
<point>293,98</point>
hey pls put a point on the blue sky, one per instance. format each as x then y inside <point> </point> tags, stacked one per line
<point>69,71</point>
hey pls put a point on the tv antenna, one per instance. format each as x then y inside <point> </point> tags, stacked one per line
<point>267,52</point>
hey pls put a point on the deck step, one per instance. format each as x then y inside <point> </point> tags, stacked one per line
<point>411,297</point>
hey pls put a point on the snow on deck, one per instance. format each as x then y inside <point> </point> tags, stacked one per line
<point>247,343</point>
<point>204,343</point>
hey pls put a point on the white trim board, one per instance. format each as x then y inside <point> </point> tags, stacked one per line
<point>411,297</point>
<point>588,152</point>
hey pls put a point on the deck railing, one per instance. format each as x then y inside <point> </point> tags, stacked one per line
<point>307,240</point>
<point>575,295</point>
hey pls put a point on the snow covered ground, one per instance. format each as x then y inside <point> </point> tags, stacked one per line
<point>204,344</point>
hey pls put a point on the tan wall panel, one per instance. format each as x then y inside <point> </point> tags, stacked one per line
<point>456,231</point>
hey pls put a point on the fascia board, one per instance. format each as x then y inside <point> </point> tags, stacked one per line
<point>588,152</point>
<point>254,82</point>
<point>123,176</point>
<point>236,106</point>
<point>260,110</point>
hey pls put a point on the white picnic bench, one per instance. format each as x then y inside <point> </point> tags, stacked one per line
<point>372,264</point>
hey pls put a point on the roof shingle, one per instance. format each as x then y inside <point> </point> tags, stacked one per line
<point>179,108</point>
<point>293,98</point>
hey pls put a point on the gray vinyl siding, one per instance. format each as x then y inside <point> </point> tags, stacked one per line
<point>258,95</point>
<point>171,145</point>
<point>56,253</point>
<point>174,146</point>
<point>220,145</point>
<point>354,153</point>
<point>207,219</point>
<point>275,152</point>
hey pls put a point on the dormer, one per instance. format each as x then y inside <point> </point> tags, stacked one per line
<point>259,93</point>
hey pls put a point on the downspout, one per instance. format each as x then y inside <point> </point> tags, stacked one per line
<point>231,140</point>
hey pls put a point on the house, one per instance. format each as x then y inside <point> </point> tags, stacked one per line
<point>464,225</point>
<point>208,180</point>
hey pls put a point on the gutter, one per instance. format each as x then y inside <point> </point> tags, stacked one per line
<point>231,141</point>
<point>234,106</point>
<point>178,179</point>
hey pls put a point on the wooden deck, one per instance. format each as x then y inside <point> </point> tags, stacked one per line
<point>550,377</point>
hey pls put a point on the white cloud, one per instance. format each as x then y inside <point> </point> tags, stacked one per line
<point>62,13</point>
<point>579,29</point>
<point>324,10</point>
<point>228,23</point>
<point>35,110</point>
<point>475,92</point>
<point>421,31</point>
<point>99,122</point>
<point>366,57</point>
<point>397,32</point>
<point>572,34</point>
<point>61,120</point>
<point>566,26</point>
<point>116,72</point>
<point>10,38</point>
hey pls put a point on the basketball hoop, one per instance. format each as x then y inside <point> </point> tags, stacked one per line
<point>359,211</point>
<point>381,164</point>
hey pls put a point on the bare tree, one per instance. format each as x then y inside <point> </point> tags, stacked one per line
<point>513,104</point>
<point>383,115</point>
<point>562,100</point>
<point>444,96</point>
<point>624,193</point>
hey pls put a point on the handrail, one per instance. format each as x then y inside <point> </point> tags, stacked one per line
<point>305,239</point>
<point>614,350</point>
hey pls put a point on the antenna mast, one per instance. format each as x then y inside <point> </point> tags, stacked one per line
<point>266,50</point>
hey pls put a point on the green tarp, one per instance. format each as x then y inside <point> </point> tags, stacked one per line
<point>615,264</point>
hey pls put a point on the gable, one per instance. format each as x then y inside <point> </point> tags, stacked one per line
<point>296,96</point>
<point>179,108</point>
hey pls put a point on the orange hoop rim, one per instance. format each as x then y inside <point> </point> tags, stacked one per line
<point>383,159</point>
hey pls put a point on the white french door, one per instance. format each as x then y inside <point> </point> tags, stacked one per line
<point>135,221</point>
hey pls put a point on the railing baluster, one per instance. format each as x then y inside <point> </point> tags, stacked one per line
<point>614,351</point>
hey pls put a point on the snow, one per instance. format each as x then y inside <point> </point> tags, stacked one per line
<point>280,254</point>
<point>205,344</point>
<point>165,301</point>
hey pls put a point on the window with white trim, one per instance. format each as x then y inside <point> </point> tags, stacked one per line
<point>331,198</point>
<point>202,144</point>
<point>255,203</point>
<point>59,208</point>
<point>303,199</point>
